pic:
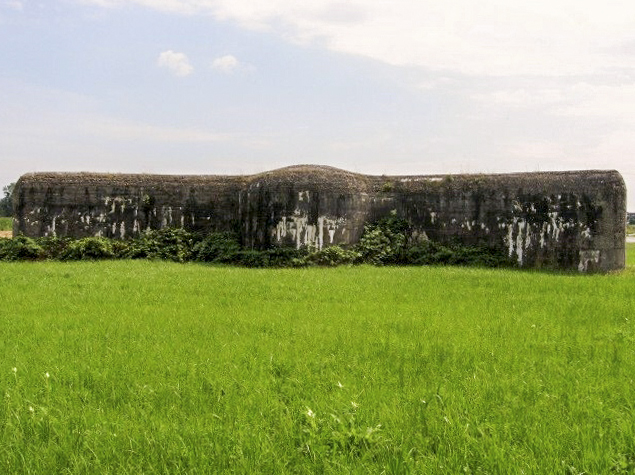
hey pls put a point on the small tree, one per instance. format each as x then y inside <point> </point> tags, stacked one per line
<point>6,204</point>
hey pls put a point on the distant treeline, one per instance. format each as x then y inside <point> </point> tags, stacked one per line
<point>6,205</point>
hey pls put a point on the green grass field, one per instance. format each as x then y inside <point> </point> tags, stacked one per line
<point>131,367</point>
<point>6,224</point>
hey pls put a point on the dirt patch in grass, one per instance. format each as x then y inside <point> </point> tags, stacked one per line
<point>6,234</point>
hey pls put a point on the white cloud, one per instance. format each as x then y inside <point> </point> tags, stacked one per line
<point>523,97</point>
<point>14,4</point>
<point>121,129</point>
<point>103,3</point>
<point>488,37</point>
<point>607,102</point>
<point>225,64</point>
<point>177,63</point>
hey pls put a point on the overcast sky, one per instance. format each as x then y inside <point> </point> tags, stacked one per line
<point>371,86</point>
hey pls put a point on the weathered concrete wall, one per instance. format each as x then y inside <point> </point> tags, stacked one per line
<point>564,219</point>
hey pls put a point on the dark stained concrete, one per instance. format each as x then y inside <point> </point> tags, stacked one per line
<point>568,220</point>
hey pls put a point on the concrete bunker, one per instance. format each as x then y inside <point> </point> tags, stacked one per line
<point>567,220</point>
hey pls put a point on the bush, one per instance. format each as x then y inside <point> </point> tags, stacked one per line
<point>90,248</point>
<point>217,247</point>
<point>334,256</point>
<point>481,256</point>
<point>121,248</point>
<point>19,248</point>
<point>384,242</point>
<point>430,253</point>
<point>287,257</point>
<point>252,258</point>
<point>53,247</point>
<point>174,244</point>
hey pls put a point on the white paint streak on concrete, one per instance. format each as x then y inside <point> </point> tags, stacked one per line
<point>587,257</point>
<point>510,239</point>
<point>519,242</point>
<point>320,233</point>
<point>527,236</point>
<point>281,229</point>
<point>543,231</point>
<point>298,228</point>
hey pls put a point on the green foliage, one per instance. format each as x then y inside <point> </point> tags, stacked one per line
<point>252,258</point>
<point>286,256</point>
<point>90,248</point>
<point>329,435</point>
<point>224,248</point>
<point>53,247</point>
<point>174,244</point>
<point>121,248</point>
<point>6,224</point>
<point>20,248</point>
<point>384,242</point>
<point>220,247</point>
<point>6,202</point>
<point>431,253</point>
<point>275,257</point>
<point>334,256</point>
<point>387,187</point>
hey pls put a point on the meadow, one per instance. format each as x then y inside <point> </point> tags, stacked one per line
<point>6,224</point>
<point>132,367</point>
